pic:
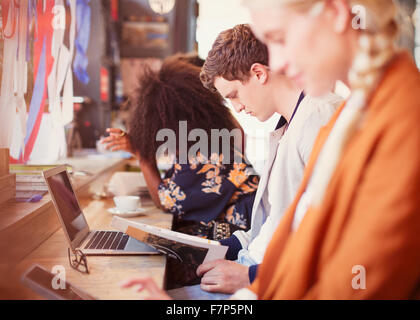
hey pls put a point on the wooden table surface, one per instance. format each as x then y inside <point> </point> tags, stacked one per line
<point>106,272</point>
<point>26,226</point>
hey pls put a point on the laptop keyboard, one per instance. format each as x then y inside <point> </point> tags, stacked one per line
<point>107,240</point>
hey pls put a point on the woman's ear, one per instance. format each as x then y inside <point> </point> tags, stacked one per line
<point>259,71</point>
<point>341,15</point>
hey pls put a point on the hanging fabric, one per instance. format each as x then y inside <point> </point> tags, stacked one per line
<point>10,13</point>
<point>20,82</point>
<point>14,112</point>
<point>68,112</point>
<point>83,18</point>
<point>60,79</point>
<point>43,63</point>
<point>52,72</point>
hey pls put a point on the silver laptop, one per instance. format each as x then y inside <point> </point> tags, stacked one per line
<point>76,229</point>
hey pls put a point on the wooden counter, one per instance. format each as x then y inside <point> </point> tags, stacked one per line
<point>106,272</point>
<point>25,227</point>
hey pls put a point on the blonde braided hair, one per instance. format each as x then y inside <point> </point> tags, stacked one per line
<point>376,50</point>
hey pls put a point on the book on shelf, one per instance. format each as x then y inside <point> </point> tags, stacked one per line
<point>30,178</point>
<point>185,248</point>
<point>36,168</point>
<point>30,183</point>
<point>31,187</point>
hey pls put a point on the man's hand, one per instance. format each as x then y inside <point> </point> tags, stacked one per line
<point>155,293</point>
<point>223,276</point>
<point>117,140</point>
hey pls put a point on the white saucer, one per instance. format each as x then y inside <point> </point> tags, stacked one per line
<point>127,214</point>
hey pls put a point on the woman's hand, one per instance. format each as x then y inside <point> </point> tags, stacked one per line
<point>155,293</point>
<point>117,140</point>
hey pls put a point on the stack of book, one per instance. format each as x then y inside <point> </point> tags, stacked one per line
<point>30,184</point>
<point>30,181</point>
<point>7,179</point>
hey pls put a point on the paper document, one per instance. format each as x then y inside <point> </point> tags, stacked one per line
<point>185,248</point>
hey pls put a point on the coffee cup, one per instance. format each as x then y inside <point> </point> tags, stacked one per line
<point>127,203</point>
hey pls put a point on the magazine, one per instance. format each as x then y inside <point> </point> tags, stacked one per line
<point>182,247</point>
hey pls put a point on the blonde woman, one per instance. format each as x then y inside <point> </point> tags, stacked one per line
<point>352,231</point>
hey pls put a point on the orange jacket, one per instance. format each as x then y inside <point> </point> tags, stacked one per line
<point>370,216</point>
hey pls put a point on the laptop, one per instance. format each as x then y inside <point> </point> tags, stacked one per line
<point>76,228</point>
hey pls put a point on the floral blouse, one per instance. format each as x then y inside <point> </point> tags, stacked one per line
<point>210,190</point>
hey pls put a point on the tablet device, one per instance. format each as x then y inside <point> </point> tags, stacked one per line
<point>41,280</point>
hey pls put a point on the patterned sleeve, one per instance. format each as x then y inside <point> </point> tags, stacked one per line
<point>205,190</point>
<point>170,194</point>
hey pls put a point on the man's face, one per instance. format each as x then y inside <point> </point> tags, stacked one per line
<point>251,96</point>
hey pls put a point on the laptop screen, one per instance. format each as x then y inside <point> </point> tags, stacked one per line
<point>67,205</point>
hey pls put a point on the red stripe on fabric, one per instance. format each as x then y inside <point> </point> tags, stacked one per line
<point>45,31</point>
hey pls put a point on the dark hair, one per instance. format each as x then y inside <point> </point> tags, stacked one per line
<point>232,55</point>
<point>174,94</point>
<point>191,57</point>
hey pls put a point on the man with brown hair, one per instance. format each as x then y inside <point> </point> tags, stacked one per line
<point>236,66</point>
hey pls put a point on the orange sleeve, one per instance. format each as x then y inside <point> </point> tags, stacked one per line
<point>382,231</point>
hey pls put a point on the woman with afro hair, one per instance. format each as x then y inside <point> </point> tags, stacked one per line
<point>206,187</point>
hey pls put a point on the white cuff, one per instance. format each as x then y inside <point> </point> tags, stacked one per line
<point>244,294</point>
